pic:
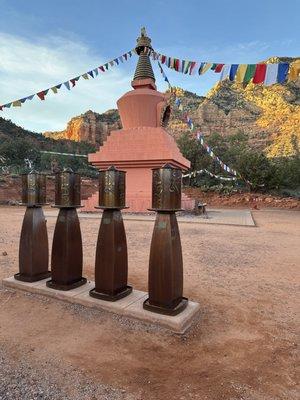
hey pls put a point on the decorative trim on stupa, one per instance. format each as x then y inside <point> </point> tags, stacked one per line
<point>144,68</point>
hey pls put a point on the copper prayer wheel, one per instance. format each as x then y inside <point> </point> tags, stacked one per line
<point>33,189</point>
<point>166,188</point>
<point>33,248</point>
<point>165,277</point>
<point>111,264</point>
<point>112,188</point>
<point>67,189</point>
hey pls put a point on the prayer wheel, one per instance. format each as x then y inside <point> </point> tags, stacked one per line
<point>33,189</point>
<point>67,189</point>
<point>66,257</point>
<point>165,278</point>
<point>111,265</point>
<point>33,249</point>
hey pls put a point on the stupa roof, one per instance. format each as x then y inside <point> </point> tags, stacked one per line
<point>144,68</point>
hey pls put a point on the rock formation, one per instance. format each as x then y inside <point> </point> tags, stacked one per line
<point>89,127</point>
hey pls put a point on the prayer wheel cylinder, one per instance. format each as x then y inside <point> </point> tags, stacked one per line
<point>166,188</point>
<point>33,189</point>
<point>112,188</point>
<point>67,189</point>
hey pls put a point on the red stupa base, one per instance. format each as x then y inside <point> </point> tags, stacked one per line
<point>137,151</point>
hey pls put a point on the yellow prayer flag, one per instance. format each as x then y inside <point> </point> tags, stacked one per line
<point>17,103</point>
<point>294,71</point>
<point>54,89</point>
<point>85,76</point>
<point>205,68</point>
<point>240,73</point>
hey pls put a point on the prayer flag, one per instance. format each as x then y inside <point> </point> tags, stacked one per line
<point>271,74</point>
<point>85,76</point>
<point>96,72</point>
<point>249,73</point>
<point>192,67</point>
<point>283,69</point>
<point>41,95</point>
<point>102,68</point>
<point>232,71</point>
<point>200,68</point>
<point>91,74</point>
<point>17,103</point>
<point>67,85</point>
<point>240,73</point>
<point>54,89</point>
<point>219,67</point>
<point>206,67</point>
<point>225,71</point>
<point>260,73</point>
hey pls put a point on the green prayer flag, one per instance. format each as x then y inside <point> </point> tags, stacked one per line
<point>249,73</point>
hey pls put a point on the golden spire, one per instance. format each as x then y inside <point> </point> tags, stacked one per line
<point>144,68</point>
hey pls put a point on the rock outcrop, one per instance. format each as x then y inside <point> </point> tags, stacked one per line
<point>89,127</point>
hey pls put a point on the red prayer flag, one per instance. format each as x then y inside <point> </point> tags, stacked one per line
<point>219,67</point>
<point>73,81</point>
<point>260,73</point>
<point>163,59</point>
<point>177,65</point>
<point>102,68</point>
<point>41,95</point>
<point>1,108</point>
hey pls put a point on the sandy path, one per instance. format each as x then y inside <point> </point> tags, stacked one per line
<point>243,347</point>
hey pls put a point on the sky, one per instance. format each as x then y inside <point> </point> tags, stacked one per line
<point>43,43</point>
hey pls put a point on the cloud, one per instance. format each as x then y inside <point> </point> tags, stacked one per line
<point>27,67</point>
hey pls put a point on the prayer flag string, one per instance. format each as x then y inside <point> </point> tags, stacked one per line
<point>69,84</point>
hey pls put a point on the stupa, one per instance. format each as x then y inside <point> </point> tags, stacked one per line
<point>143,143</point>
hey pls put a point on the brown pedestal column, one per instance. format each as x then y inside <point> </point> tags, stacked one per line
<point>66,257</point>
<point>33,249</point>
<point>111,266</point>
<point>165,265</point>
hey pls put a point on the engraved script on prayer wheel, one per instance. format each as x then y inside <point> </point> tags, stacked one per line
<point>166,188</point>
<point>112,188</point>
<point>67,189</point>
<point>33,189</point>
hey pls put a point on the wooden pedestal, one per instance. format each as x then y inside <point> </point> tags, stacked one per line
<point>165,267</point>
<point>66,259</point>
<point>33,250</point>
<point>111,267</point>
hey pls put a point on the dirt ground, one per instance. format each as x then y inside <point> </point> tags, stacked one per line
<point>244,345</point>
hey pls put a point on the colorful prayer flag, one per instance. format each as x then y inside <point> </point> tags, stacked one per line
<point>271,74</point>
<point>260,73</point>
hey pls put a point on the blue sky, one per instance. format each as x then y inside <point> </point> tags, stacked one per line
<point>43,43</point>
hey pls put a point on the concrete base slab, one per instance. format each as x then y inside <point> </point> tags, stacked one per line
<point>130,306</point>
